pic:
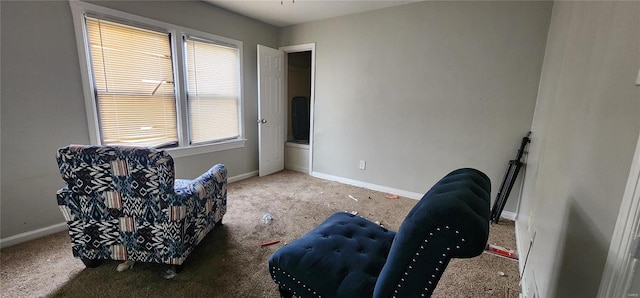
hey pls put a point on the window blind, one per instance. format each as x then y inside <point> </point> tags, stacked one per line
<point>133,82</point>
<point>213,80</point>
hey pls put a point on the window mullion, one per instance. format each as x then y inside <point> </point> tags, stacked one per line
<point>177,47</point>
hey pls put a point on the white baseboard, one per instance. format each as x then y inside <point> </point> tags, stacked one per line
<point>390,190</point>
<point>26,236</point>
<point>242,177</point>
<point>412,195</point>
<point>522,246</point>
<point>508,215</point>
<point>300,169</point>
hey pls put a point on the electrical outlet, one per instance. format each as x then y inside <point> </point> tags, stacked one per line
<point>363,164</point>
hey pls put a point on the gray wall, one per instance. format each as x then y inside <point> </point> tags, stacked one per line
<point>584,135</point>
<point>421,89</point>
<point>43,105</point>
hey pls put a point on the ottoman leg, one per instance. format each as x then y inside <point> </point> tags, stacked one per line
<point>284,293</point>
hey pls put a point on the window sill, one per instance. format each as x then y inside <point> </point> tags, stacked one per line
<point>208,148</point>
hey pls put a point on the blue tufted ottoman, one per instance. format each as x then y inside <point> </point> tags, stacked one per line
<point>346,253</point>
<point>349,256</point>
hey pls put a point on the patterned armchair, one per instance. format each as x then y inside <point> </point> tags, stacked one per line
<point>122,203</point>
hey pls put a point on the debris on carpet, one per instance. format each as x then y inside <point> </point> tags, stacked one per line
<point>269,243</point>
<point>501,252</point>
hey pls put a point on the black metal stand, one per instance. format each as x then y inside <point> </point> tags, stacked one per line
<point>508,181</point>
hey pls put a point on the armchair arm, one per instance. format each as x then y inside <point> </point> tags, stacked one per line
<point>201,202</point>
<point>212,183</point>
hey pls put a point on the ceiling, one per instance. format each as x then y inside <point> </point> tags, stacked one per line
<point>290,12</point>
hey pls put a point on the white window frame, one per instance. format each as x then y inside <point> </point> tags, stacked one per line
<point>80,9</point>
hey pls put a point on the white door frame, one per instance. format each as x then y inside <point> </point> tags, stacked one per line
<point>303,48</point>
<point>617,270</point>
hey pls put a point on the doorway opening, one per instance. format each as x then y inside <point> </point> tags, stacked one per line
<point>298,95</point>
<point>299,78</point>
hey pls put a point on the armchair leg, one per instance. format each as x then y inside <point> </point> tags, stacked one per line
<point>91,263</point>
<point>173,271</point>
<point>284,293</point>
<point>124,266</point>
<point>178,268</point>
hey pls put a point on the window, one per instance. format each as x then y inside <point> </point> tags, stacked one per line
<point>212,91</point>
<point>149,83</point>
<point>133,84</point>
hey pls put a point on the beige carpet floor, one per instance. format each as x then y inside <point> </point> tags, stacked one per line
<point>230,263</point>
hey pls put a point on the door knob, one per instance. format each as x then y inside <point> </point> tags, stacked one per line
<point>262,120</point>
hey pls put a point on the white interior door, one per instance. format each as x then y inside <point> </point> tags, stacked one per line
<point>271,110</point>
<point>621,276</point>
